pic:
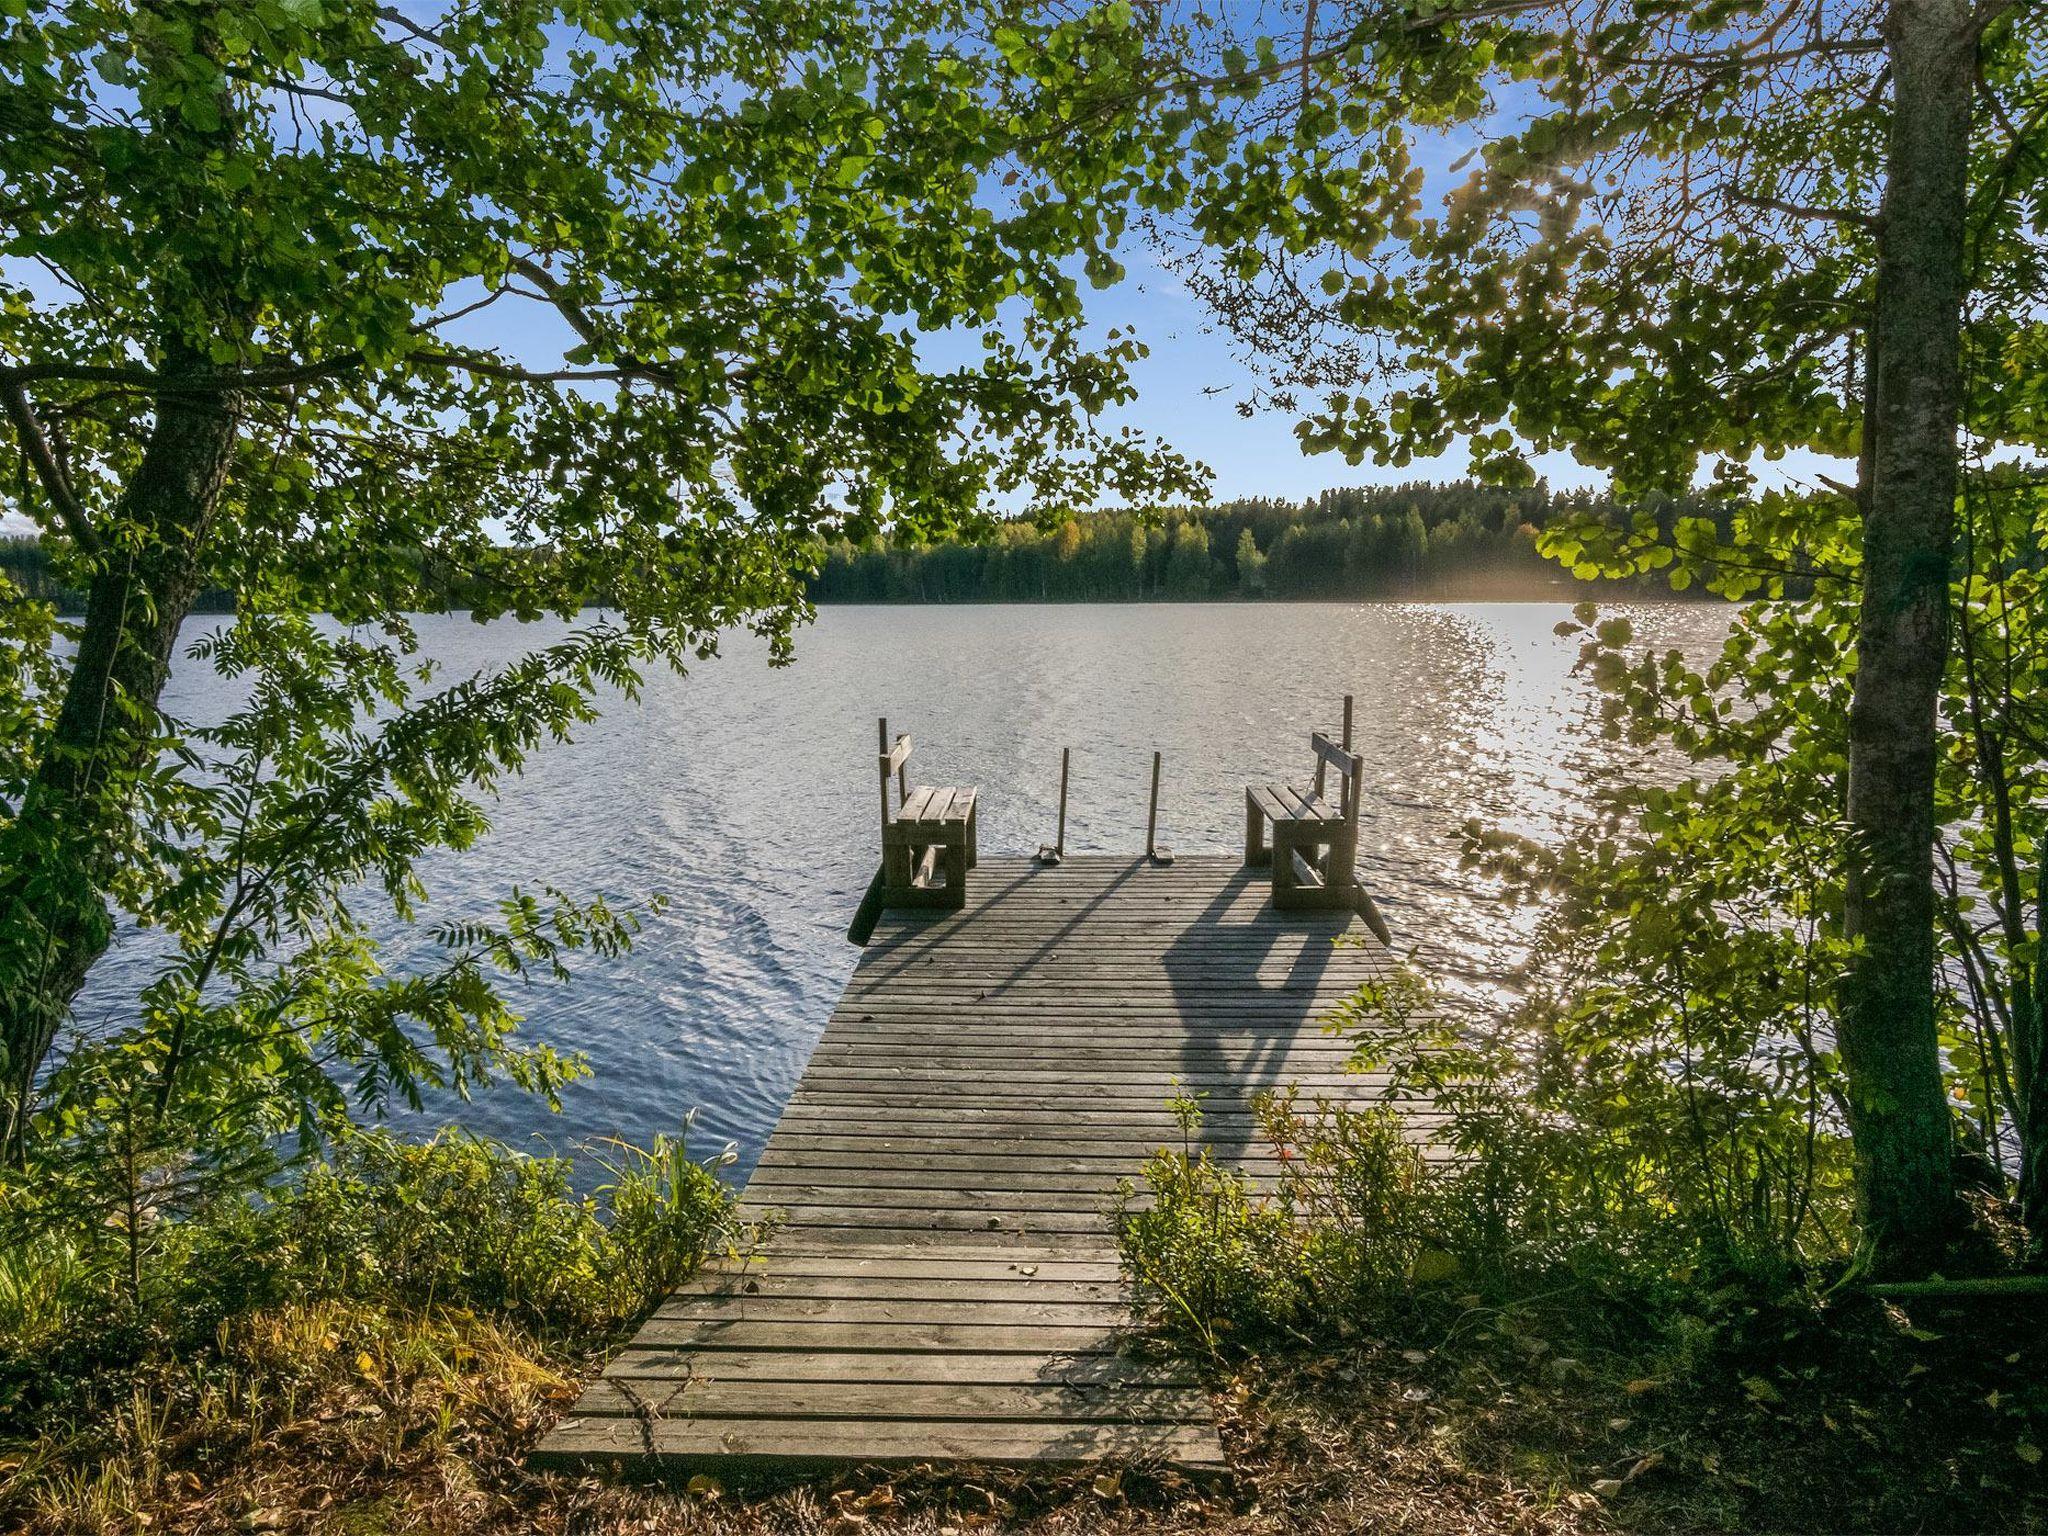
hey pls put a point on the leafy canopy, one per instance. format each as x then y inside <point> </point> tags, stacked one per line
<point>1645,235</point>
<point>541,305</point>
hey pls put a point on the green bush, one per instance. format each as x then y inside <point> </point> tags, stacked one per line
<point>1350,1223</point>
<point>1578,1145</point>
<point>461,1221</point>
<point>453,1223</point>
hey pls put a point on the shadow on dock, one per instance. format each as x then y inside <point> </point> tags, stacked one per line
<point>943,1280</point>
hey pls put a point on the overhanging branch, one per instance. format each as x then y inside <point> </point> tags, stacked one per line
<point>1849,216</point>
<point>55,483</point>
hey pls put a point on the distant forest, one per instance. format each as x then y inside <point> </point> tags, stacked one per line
<point>25,563</point>
<point>1421,540</point>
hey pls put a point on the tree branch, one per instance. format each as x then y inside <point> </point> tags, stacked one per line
<point>1723,57</point>
<point>285,375</point>
<point>37,448</point>
<point>1802,211</point>
<point>1989,12</point>
<point>579,318</point>
<point>1309,59</point>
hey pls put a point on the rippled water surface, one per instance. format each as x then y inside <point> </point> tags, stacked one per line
<point>747,795</point>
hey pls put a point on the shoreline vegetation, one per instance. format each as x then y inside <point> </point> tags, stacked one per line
<point>378,1347</point>
<point>1425,541</point>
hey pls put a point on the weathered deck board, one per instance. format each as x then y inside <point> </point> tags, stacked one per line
<point>942,1280</point>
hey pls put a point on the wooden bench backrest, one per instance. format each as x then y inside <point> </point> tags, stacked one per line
<point>1349,765</point>
<point>890,760</point>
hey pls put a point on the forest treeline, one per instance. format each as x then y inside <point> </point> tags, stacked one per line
<point>1457,539</point>
<point>25,563</point>
<point>1460,539</point>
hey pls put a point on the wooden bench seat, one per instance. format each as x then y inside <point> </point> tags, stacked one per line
<point>928,841</point>
<point>1277,803</point>
<point>1314,851</point>
<point>938,808</point>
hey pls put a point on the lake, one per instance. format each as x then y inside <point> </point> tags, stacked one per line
<point>746,794</point>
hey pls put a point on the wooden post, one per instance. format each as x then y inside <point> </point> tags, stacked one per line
<point>1321,784</point>
<point>1152,815</point>
<point>1354,781</point>
<point>883,731</point>
<point>1058,849</point>
<point>1059,842</point>
<point>1153,851</point>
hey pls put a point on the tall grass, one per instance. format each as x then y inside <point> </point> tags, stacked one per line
<point>392,1303</point>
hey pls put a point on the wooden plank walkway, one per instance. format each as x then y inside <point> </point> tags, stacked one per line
<point>942,1278</point>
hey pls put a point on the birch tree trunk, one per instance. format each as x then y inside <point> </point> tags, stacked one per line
<point>1890,1054</point>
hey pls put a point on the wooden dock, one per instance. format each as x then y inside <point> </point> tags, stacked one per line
<point>942,1279</point>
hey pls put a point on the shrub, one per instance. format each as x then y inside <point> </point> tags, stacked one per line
<point>1580,1145</point>
<point>1343,1222</point>
<point>455,1223</point>
<point>467,1222</point>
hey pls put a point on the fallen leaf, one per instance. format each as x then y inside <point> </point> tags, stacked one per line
<point>2028,1452</point>
<point>704,1486</point>
<point>1607,1487</point>
<point>1109,1485</point>
<point>1760,1391</point>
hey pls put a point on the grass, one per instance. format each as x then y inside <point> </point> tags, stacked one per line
<point>375,1349</point>
<point>337,1417</point>
<point>375,1341</point>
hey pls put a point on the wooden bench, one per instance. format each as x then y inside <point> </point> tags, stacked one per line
<point>928,840</point>
<point>1314,853</point>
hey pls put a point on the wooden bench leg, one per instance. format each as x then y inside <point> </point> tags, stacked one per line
<point>1256,854</point>
<point>973,837</point>
<point>1291,892</point>
<point>954,858</point>
<point>1285,885</point>
<point>1341,872</point>
<point>897,863</point>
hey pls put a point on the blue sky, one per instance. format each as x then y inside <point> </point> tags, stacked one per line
<point>1258,456</point>
<point>1190,386</point>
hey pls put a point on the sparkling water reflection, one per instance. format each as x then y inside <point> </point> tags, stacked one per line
<point>746,794</point>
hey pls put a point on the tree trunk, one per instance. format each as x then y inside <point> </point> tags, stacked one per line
<point>59,855</point>
<point>1890,1056</point>
<point>2030,1069</point>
